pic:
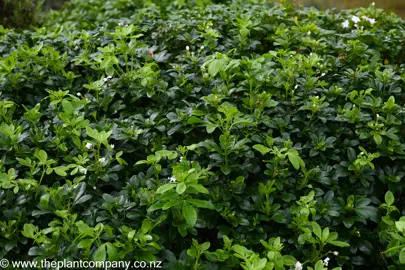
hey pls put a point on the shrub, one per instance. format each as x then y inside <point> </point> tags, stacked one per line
<point>206,136</point>
<point>20,13</point>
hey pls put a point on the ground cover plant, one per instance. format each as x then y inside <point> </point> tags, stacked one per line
<point>205,135</point>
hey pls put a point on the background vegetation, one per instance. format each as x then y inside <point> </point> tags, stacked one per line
<point>207,135</point>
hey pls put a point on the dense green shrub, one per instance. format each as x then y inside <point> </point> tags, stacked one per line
<point>207,136</point>
<point>20,13</point>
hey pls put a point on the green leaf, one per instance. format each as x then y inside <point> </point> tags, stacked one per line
<point>170,204</point>
<point>319,265</point>
<point>112,252</point>
<point>181,187</point>
<point>60,170</point>
<point>211,127</point>
<point>316,229</point>
<point>83,199</point>
<point>402,256</point>
<point>165,188</point>
<point>339,244</point>
<point>289,260</point>
<point>100,254</point>
<point>29,230</point>
<point>295,159</point>
<point>400,226</point>
<point>216,66</point>
<point>198,188</point>
<point>85,243</point>
<point>189,214</point>
<point>261,148</point>
<point>389,198</point>
<point>201,203</point>
<point>377,139</point>
<point>67,107</point>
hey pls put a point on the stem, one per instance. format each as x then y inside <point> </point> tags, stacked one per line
<point>42,176</point>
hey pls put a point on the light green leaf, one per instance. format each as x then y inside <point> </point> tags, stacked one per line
<point>165,188</point>
<point>261,148</point>
<point>189,214</point>
<point>181,187</point>
<point>100,254</point>
<point>389,198</point>
<point>202,204</point>
<point>216,66</point>
<point>402,256</point>
<point>339,244</point>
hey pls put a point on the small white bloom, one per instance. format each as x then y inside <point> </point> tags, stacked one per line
<point>85,171</point>
<point>296,87</point>
<point>102,160</point>
<point>326,261</point>
<point>373,4</point>
<point>298,266</point>
<point>88,145</point>
<point>112,146</point>
<point>78,94</point>
<point>345,24</point>
<point>192,54</point>
<point>94,187</point>
<point>310,54</point>
<point>77,47</point>
<point>105,79</point>
<point>378,116</point>
<point>309,33</point>
<point>355,19</point>
<point>202,47</point>
<point>335,253</point>
<point>172,179</point>
<point>181,159</point>
<point>323,74</point>
<point>109,77</point>
<point>354,106</point>
<point>187,48</point>
<point>371,20</point>
<point>317,97</point>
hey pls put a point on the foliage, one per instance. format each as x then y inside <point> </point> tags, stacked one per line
<point>207,136</point>
<point>20,13</point>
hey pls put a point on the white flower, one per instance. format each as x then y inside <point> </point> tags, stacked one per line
<point>187,48</point>
<point>326,261</point>
<point>77,47</point>
<point>323,74</point>
<point>296,87</point>
<point>355,19</point>
<point>172,179</point>
<point>181,159</point>
<point>85,171</point>
<point>345,24</point>
<point>335,253</point>
<point>378,116</point>
<point>78,94</point>
<point>109,77</point>
<point>202,47</point>
<point>298,266</point>
<point>112,146</point>
<point>372,21</point>
<point>309,33</point>
<point>94,187</point>
<point>102,160</point>
<point>373,4</point>
<point>88,145</point>
<point>105,79</point>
